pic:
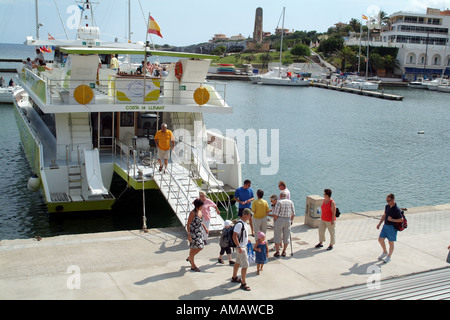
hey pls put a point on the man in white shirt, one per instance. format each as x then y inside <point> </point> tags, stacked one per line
<point>284,214</point>
<point>282,187</point>
<point>240,238</point>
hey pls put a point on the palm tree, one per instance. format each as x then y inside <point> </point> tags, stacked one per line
<point>384,18</point>
<point>346,54</point>
<point>355,25</point>
<point>391,63</point>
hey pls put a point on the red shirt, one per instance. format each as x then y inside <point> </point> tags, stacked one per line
<point>327,214</point>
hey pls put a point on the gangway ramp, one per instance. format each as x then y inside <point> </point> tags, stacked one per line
<point>180,191</point>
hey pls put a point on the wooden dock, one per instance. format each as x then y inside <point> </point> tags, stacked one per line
<point>369,93</point>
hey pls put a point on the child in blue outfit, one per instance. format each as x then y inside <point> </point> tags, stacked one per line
<point>261,252</point>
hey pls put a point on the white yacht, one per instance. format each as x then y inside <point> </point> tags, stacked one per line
<point>419,84</point>
<point>80,125</point>
<point>6,94</point>
<point>282,77</point>
<point>360,84</point>
<point>285,81</point>
<point>444,88</point>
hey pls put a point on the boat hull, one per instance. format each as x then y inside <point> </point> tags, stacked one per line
<point>443,89</point>
<point>285,82</point>
<point>6,94</point>
<point>362,86</point>
<point>55,202</point>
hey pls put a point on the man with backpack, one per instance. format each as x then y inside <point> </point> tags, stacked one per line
<point>240,239</point>
<point>392,215</point>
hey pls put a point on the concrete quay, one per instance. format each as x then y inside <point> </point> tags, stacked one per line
<point>128,265</point>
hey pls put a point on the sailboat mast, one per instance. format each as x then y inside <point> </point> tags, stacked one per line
<point>281,45</point>
<point>368,38</point>
<point>359,56</point>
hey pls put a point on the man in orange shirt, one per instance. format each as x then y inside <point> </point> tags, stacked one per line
<point>165,141</point>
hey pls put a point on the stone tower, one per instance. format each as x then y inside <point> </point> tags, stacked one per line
<point>258,32</point>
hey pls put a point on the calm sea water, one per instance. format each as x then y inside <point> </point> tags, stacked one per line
<point>360,147</point>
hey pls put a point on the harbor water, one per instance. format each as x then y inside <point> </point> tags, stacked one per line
<point>360,147</point>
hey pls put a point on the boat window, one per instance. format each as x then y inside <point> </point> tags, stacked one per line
<point>147,124</point>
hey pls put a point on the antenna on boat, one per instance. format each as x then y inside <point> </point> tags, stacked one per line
<point>87,24</point>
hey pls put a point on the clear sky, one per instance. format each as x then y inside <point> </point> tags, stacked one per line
<point>191,22</point>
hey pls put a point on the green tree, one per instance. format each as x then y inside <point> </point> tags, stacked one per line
<point>346,54</point>
<point>355,25</point>
<point>219,50</point>
<point>300,50</point>
<point>391,63</point>
<point>331,45</point>
<point>249,58</point>
<point>265,58</point>
<point>377,61</point>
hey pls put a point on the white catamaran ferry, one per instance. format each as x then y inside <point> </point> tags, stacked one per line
<point>81,122</point>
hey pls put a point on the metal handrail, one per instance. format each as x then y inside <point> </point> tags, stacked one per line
<point>55,88</point>
<point>227,203</point>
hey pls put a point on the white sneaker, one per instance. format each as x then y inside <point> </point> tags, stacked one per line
<point>383,255</point>
<point>387,259</point>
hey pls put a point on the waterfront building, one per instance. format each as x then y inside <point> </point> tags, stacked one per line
<point>422,40</point>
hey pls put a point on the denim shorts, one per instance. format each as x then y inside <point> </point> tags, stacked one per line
<point>389,232</point>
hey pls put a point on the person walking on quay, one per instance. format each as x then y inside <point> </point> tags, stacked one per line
<point>282,187</point>
<point>244,196</point>
<point>261,251</point>
<point>206,212</point>
<point>392,215</point>
<point>165,141</point>
<point>195,229</point>
<point>224,244</point>
<point>284,214</point>
<point>327,220</point>
<point>240,238</point>
<point>260,210</point>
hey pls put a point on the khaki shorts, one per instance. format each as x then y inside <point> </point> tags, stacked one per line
<point>163,154</point>
<point>242,258</point>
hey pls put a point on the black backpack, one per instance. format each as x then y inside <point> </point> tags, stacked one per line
<point>229,234</point>
<point>338,213</point>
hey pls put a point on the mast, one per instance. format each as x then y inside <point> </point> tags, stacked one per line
<point>37,21</point>
<point>84,19</point>
<point>129,21</point>
<point>281,45</point>
<point>426,55</point>
<point>445,62</point>
<point>368,38</point>
<point>359,56</point>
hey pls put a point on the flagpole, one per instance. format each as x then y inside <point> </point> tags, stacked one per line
<point>368,38</point>
<point>145,56</point>
<point>359,56</point>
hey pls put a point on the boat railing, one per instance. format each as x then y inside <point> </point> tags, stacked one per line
<point>54,87</point>
<point>125,156</point>
<point>198,168</point>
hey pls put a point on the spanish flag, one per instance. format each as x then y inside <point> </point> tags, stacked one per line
<point>153,27</point>
<point>365,17</point>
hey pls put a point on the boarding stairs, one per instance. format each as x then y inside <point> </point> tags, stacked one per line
<point>180,190</point>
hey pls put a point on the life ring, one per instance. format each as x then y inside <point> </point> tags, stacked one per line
<point>201,96</point>
<point>83,94</point>
<point>178,70</point>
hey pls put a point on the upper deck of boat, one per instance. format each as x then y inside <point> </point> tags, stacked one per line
<point>54,94</point>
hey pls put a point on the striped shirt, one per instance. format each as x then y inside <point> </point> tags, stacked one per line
<point>284,208</point>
